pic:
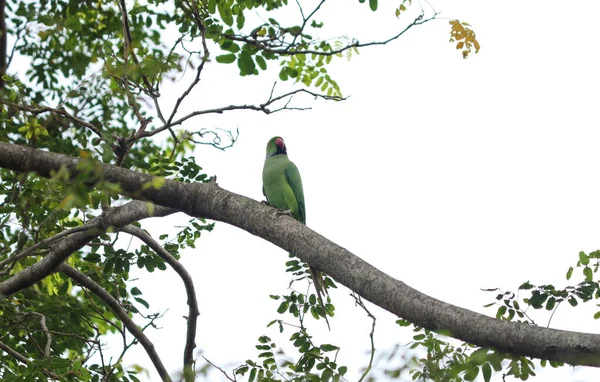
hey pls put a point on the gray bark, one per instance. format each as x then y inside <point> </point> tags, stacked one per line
<point>209,201</point>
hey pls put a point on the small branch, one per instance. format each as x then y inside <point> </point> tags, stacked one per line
<point>262,108</point>
<point>45,243</point>
<point>114,217</point>
<point>190,343</point>
<point>13,353</point>
<point>21,358</point>
<point>216,142</point>
<point>359,302</point>
<point>266,46</point>
<point>306,19</point>
<point>60,111</point>
<point>88,283</point>
<point>221,370</point>
<point>46,331</point>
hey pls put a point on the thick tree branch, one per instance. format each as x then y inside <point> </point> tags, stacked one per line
<point>115,217</point>
<point>210,201</point>
<point>190,342</point>
<point>44,243</point>
<point>88,283</point>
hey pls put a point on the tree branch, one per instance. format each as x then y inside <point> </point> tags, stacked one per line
<point>45,330</point>
<point>45,243</point>
<point>190,343</point>
<point>21,358</point>
<point>209,201</point>
<point>290,50</point>
<point>115,217</point>
<point>3,43</point>
<point>60,111</point>
<point>262,107</point>
<point>88,283</point>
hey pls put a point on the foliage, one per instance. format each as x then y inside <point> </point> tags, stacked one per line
<point>92,90</point>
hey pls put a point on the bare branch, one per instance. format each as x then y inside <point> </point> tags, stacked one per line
<point>306,19</point>
<point>88,283</point>
<point>221,370</point>
<point>60,111</point>
<point>262,108</point>
<point>190,343</point>
<point>266,44</point>
<point>359,302</point>
<point>45,330</point>
<point>216,141</point>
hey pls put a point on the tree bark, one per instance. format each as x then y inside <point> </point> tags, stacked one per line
<point>209,201</point>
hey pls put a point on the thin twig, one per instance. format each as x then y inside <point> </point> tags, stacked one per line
<point>262,108</point>
<point>360,303</point>
<point>290,50</point>
<point>60,111</point>
<point>190,343</point>
<point>221,370</point>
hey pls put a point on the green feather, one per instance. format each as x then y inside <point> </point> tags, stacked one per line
<point>282,186</point>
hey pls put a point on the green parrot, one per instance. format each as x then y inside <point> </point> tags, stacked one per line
<point>282,186</point>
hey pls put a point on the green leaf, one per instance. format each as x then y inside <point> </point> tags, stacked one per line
<point>138,10</point>
<point>501,311</point>
<point>373,5</point>
<point>486,370</point>
<point>583,258</point>
<point>472,374</point>
<point>225,58</point>
<point>246,63</point>
<point>143,302</point>
<point>73,23</point>
<point>569,273</point>
<point>283,307</point>
<point>587,272</point>
<point>261,62</point>
<point>328,347</point>
<point>135,291</point>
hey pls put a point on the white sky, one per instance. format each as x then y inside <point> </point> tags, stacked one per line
<point>448,174</point>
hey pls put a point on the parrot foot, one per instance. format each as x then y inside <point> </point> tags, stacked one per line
<point>285,212</point>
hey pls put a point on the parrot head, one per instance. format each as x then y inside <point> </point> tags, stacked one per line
<point>276,146</point>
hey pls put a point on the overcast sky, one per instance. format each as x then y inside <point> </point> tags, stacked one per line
<point>451,175</point>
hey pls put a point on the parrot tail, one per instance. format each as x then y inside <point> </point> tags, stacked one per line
<point>321,289</point>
